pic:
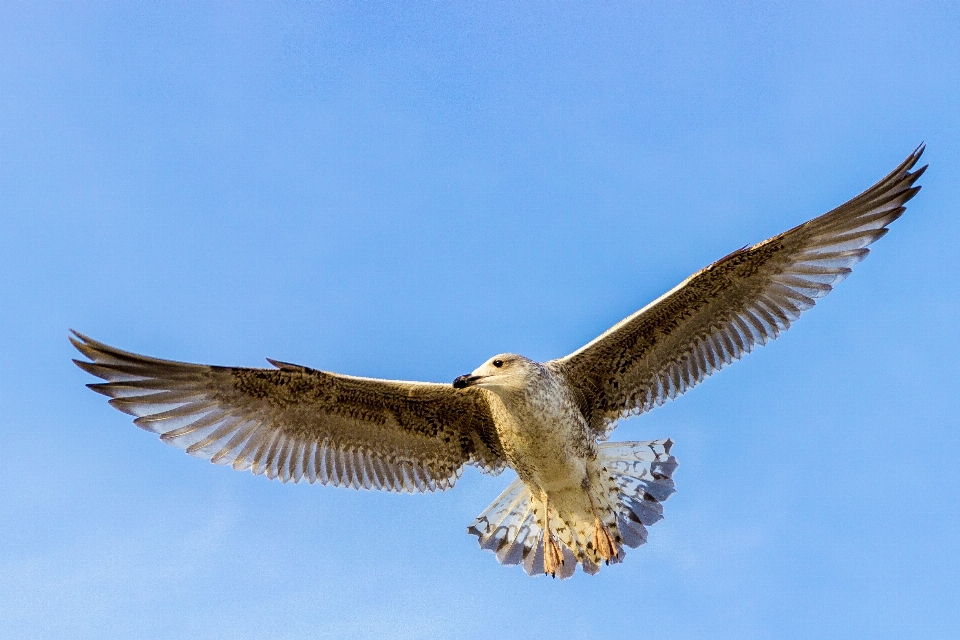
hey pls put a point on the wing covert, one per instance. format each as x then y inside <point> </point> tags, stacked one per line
<point>296,423</point>
<point>720,313</point>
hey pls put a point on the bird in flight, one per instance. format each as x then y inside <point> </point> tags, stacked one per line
<point>577,498</point>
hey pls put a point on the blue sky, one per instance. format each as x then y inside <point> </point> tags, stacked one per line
<point>402,190</point>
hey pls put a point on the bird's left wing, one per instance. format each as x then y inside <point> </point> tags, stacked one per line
<point>718,314</point>
<point>293,422</point>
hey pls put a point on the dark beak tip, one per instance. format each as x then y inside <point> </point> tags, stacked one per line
<point>462,382</point>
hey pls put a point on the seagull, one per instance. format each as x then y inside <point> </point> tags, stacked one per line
<point>578,499</point>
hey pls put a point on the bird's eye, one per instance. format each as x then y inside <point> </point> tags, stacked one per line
<point>498,363</point>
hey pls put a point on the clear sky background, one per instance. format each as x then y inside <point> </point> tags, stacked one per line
<point>403,189</point>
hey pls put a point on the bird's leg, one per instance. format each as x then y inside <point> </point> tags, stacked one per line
<point>552,558</point>
<point>602,540</point>
<point>606,547</point>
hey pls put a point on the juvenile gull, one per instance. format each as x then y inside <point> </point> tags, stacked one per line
<point>577,499</point>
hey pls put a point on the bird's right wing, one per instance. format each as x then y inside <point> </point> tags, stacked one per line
<point>718,314</point>
<point>293,422</point>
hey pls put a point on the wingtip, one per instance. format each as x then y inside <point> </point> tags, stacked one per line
<point>89,367</point>
<point>919,172</point>
<point>912,160</point>
<point>103,388</point>
<point>83,343</point>
<point>905,172</point>
<point>76,336</point>
<point>86,346</point>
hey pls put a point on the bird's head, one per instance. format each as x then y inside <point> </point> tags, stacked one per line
<point>501,373</point>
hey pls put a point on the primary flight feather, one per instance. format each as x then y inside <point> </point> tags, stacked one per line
<point>576,500</point>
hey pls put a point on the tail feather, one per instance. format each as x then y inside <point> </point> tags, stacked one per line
<point>509,528</point>
<point>641,478</point>
<point>643,473</point>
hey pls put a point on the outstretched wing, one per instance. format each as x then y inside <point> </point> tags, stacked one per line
<point>718,314</point>
<point>293,422</point>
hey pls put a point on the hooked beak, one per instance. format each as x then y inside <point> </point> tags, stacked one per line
<point>464,381</point>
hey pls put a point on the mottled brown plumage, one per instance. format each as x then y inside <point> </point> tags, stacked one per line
<point>719,313</point>
<point>576,500</point>
<point>294,422</point>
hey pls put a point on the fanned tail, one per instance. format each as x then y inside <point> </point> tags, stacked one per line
<point>643,473</point>
<point>640,479</point>
<point>509,528</point>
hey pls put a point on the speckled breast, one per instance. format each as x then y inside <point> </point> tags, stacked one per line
<point>545,437</point>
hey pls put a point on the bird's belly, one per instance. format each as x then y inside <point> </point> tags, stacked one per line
<point>550,455</point>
